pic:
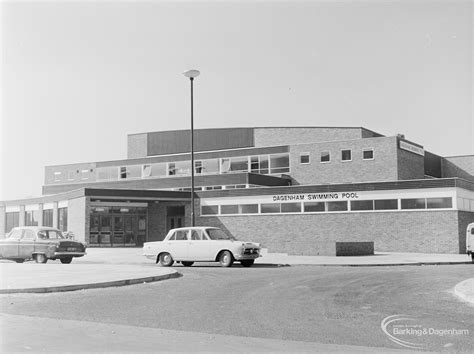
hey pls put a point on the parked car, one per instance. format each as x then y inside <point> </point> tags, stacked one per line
<point>201,244</point>
<point>40,244</point>
<point>470,241</point>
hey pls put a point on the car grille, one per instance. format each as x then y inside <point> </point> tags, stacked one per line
<point>251,251</point>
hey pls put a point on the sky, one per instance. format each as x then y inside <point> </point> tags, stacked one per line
<point>77,77</point>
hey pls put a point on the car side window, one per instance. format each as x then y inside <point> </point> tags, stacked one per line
<point>181,235</point>
<point>43,235</point>
<point>15,234</point>
<point>472,231</point>
<point>54,235</point>
<point>28,235</point>
<point>195,235</point>
<point>173,237</point>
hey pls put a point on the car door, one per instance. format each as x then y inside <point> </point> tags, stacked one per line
<point>9,247</point>
<point>199,246</point>
<point>27,244</point>
<point>178,245</point>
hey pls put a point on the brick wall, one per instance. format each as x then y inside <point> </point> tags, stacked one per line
<point>157,218</point>
<point>423,231</point>
<point>289,136</point>
<point>382,168</point>
<point>410,165</point>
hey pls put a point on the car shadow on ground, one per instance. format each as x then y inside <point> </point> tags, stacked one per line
<point>235,265</point>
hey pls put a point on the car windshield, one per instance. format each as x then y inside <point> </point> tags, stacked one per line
<point>50,234</point>
<point>217,234</point>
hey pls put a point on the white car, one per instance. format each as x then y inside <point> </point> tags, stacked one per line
<point>201,244</point>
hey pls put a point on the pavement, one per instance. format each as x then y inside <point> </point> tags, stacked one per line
<point>125,266</point>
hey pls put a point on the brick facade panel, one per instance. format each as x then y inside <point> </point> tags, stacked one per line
<point>315,234</point>
<point>291,135</point>
<point>382,168</point>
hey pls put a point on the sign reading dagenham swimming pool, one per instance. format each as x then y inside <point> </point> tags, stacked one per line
<point>307,197</point>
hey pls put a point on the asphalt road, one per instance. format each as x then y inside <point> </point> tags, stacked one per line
<point>333,305</point>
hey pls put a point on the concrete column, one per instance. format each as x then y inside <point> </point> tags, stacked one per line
<point>40,212</point>
<point>21,217</point>
<point>2,221</point>
<point>55,215</point>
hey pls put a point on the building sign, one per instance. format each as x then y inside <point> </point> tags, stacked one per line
<point>308,197</point>
<point>412,148</point>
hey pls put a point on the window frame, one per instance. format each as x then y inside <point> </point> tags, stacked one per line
<point>321,157</point>
<point>368,149</point>
<point>305,154</point>
<point>350,152</point>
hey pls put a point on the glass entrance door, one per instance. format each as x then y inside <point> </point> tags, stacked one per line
<point>111,226</point>
<point>100,229</point>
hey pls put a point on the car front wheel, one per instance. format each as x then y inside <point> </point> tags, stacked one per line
<point>166,260</point>
<point>19,260</point>
<point>226,259</point>
<point>187,264</point>
<point>41,258</point>
<point>66,260</point>
<point>247,262</point>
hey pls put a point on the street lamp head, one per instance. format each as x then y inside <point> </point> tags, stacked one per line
<point>191,73</point>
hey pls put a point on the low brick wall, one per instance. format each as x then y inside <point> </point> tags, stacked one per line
<point>354,248</point>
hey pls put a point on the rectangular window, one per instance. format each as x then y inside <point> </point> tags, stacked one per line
<point>304,158</point>
<point>48,217</point>
<point>229,209</point>
<point>209,210</point>
<point>123,172</point>
<point>436,203</point>
<point>386,204</point>
<point>270,208</point>
<point>146,171</point>
<point>210,166</point>
<point>225,165</point>
<point>239,164</point>
<point>248,209</point>
<point>279,163</point>
<point>259,164</point>
<point>357,205</point>
<point>84,174</point>
<point>325,156</point>
<point>183,168</point>
<point>32,217</point>
<point>346,155</point>
<point>12,219</point>
<point>159,170</point>
<point>368,154</point>
<point>198,167</point>
<point>291,207</point>
<point>314,207</point>
<point>62,219</point>
<point>416,203</point>
<point>171,169</point>
<point>57,176</point>
<point>336,206</point>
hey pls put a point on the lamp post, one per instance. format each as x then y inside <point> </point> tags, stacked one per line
<point>192,74</point>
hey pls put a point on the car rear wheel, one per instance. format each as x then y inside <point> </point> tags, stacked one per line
<point>187,264</point>
<point>66,260</point>
<point>226,259</point>
<point>166,260</point>
<point>247,262</point>
<point>19,260</point>
<point>472,257</point>
<point>41,258</point>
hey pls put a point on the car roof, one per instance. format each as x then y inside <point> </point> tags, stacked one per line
<point>195,228</point>
<point>35,228</point>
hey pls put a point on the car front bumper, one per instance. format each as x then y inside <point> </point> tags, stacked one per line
<point>68,254</point>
